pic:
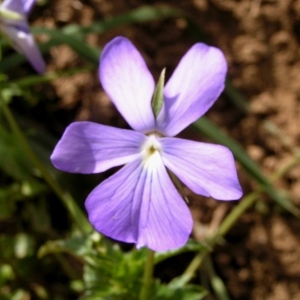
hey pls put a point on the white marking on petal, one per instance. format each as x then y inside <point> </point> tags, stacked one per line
<point>151,150</point>
<point>21,35</point>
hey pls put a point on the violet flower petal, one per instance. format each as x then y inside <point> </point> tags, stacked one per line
<point>139,204</point>
<point>165,219</point>
<point>14,5</point>
<point>111,207</point>
<point>128,82</point>
<point>20,6</point>
<point>28,5</point>
<point>24,43</point>
<point>88,147</point>
<point>207,169</point>
<point>19,34</point>
<point>194,86</point>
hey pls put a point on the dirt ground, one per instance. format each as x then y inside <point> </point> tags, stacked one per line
<point>260,39</point>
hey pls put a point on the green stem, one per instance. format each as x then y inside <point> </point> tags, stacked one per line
<point>217,284</point>
<point>190,271</point>
<point>70,204</point>
<point>233,216</point>
<point>148,276</point>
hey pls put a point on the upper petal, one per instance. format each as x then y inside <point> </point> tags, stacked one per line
<point>128,82</point>
<point>194,86</point>
<point>24,43</point>
<point>207,169</point>
<point>20,6</point>
<point>87,147</point>
<point>28,4</point>
<point>14,5</point>
<point>140,205</point>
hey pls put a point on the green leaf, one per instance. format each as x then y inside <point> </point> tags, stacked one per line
<point>236,97</point>
<point>43,78</point>
<point>8,196</point>
<point>175,290</point>
<point>209,129</point>
<point>6,274</point>
<point>114,274</point>
<point>77,246</point>
<point>141,14</point>
<point>19,246</point>
<point>190,246</point>
<point>158,96</point>
<point>81,47</point>
<point>24,245</point>
<point>16,163</point>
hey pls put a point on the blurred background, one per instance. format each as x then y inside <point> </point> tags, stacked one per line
<point>259,109</point>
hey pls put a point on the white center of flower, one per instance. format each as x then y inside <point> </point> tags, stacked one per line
<point>151,148</point>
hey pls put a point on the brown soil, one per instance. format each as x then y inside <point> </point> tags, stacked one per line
<point>260,38</point>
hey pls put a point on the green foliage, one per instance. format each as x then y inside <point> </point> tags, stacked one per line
<point>174,290</point>
<point>158,96</point>
<point>15,163</point>
<point>110,273</point>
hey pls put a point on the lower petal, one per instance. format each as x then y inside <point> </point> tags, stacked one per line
<point>139,204</point>
<point>207,169</point>
<point>111,206</point>
<point>166,222</point>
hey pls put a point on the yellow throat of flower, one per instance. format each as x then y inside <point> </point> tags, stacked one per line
<point>151,149</point>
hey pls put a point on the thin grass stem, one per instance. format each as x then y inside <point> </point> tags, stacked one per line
<point>148,276</point>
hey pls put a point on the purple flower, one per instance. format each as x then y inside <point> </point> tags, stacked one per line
<point>139,203</point>
<point>13,23</point>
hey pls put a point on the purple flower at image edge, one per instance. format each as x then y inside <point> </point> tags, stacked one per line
<point>14,24</point>
<point>139,203</point>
